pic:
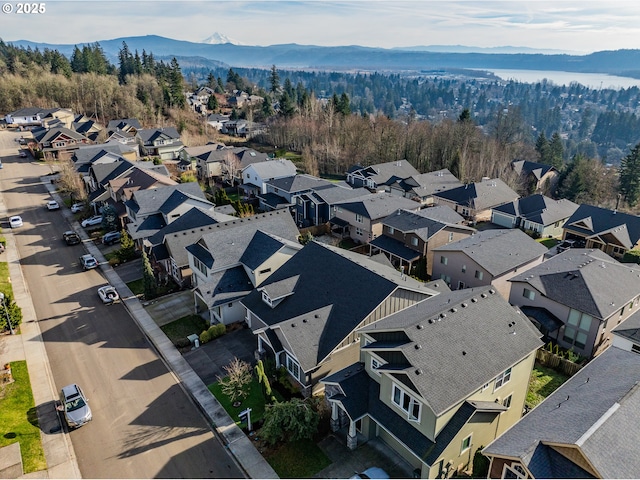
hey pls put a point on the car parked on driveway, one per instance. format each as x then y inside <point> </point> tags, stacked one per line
<point>91,221</point>
<point>15,221</point>
<point>108,294</point>
<point>111,238</point>
<point>88,262</point>
<point>71,237</point>
<point>75,406</point>
<point>22,154</point>
<point>77,207</point>
<point>53,205</point>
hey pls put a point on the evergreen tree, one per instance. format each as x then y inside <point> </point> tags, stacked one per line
<point>556,151</point>
<point>212,103</point>
<point>267,108</point>
<point>465,116</point>
<point>542,147</point>
<point>176,88</point>
<point>630,177</point>
<point>150,285</point>
<point>110,220</point>
<point>127,246</point>
<point>10,309</point>
<point>287,107</point>
<point>77,61</point>
<point>274,80</point>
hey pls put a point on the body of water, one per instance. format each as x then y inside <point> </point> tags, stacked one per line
<point>591,80</point>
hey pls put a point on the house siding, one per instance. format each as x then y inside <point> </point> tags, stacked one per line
<point>502,219</point>
<point>336,361</point>
<point>442,238</point>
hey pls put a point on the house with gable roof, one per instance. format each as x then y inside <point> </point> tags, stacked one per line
<point>438,380</point>
<point>159,142</point>
<point>611,231</point>
<point>167,247</point>
<point>408,236</point>
<point>422,187</point>
<point>58,142</point>
<point>577,297</point>
<point>587,428</point>
<point>627,334</point>
<point>538,177</point>
<point>318,205</point>
<point>150,210</point>
<point>489,257</point>
<point>233,257</point>
<point>537,213</point>
<point>306,320</point>
<point>361,218</point>
<point>284,192</point>
<point>256,175</point>
<point>62,117</point>
<point>379,177</point>
<point>474,201</point>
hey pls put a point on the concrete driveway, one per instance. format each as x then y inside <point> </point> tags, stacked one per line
<point>170,307</point>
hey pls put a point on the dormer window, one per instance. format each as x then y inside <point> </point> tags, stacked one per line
<point>266,299</point>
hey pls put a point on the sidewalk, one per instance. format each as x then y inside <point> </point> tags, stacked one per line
<point>238,444</point>
<point>58,450</point>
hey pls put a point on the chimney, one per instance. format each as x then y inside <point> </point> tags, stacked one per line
<point>617,203</point>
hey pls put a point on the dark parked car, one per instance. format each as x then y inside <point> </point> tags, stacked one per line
<point>111,238</point>
<point>71,237</point>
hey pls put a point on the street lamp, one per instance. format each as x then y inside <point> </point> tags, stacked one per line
<point>7,312</point>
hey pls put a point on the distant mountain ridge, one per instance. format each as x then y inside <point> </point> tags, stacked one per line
<point>349,58</point>
<point>218,38</point>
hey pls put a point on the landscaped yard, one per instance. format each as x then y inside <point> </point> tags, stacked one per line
<point>19,420</point>
<point>136,286</point>
<point>543,382</point>
<point>184,326</point>
<point>5,284</point>
<point>548,242</point>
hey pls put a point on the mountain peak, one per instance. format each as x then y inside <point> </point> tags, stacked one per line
<point>219,38</point>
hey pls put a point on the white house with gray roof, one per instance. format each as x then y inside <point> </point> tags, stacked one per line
<point>587,428</point>
<point>489,257</point>
<point>380,176</point>
<point>422,187</point>
<point>231,258</point>
<point>578,297</point>
<point>361,218</point>
<point>163,142</point>
<point>438,380</point>
<point>285,191</point>
<point>256,175</point>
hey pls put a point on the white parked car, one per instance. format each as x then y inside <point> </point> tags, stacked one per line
<point>95,220</point>
<point>15,221</point>
<point>77,207</point>
<point>88,262</point>
<point>53,205</point>
<point>108,294</point>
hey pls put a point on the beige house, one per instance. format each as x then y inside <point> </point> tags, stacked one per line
<point>490,257</point>
<point>437,381</point>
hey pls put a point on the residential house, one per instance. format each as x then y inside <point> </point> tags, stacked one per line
<point>380,176</point>
<point>538,177</point>
<point>408,236</point>
<point>150,210</point>
<point>307,321</point>
<point>242,128</point>
<point>87,127</point>
<point>577,297</point>
<point>422,187</point>
<point>317,206</point>
<point>363,216</point>
<point>627,334</point>
<point>437,381</point>
<point>256,175</point>
<point>58,142</point>
<point>611,231</point>
<point>490,257</point>
<point>160,142</point>
<point>232,258</point>
<point>226,163</point>
<point>86,155</point>
<point>536,213</point>
<point>189,157</point>
<point>129,125</point>
<point>284,192</point>
<point>167,247</point>
<point>217,120</point>
<point>34,116</point>
<point>587,428</point>
<point>474,201</point>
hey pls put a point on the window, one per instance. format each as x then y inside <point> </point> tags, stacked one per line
<point>199,265</point>
<point>577,328</point>
<point>358,218</point>
<point>446,278</point>
<point>514,471</point>
<point>451,236</point>
<point>443,260</point>
<point>503,378</point>
<point>530,294</point>
<point>461,285</point>
<point>266,270</point>
<point>479,274</point>
<point>635,348</point>
<point>414,241</point>
<point>507,401</point>
<point>359,232</point>
<point>293,367</point>
<point>485,386</point>
<point>375,364</point>
<point>464,269</point>
<point>466,444</point>
<point>391,230</point>
<point>407,403</point>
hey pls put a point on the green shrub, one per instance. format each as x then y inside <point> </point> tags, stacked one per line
<point>480,464</point>
<point>217,330</point>
<point>205,336</point>
<point>632,256</point>
<point>182,342</point>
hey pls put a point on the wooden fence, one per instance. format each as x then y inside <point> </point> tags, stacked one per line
<point>551,360</point>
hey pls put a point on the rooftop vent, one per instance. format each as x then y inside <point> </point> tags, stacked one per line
<point>419,326</point>
<point>418,346</point>
<point>418,371</point>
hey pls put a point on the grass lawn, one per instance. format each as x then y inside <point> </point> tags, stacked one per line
<point>548,242</point>
<point>5,284</point>
<point>19,420</point>
<point>543,382</point>
<point>300,459</point>
<point>137,286</point>
<point>184,326</point>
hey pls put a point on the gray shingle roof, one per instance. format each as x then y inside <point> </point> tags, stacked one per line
<point>376,206</point>
<point>274,168</point>
<point>619,228</point>
<point>540,209</point>
<point>442,213</point>
<point>526,167</point>
<point>421,222</point>
<point>228,241</point>
<point>595,410</point>
<point>148,135</point>
<point>261,248</point>
<point>298,183</point>
<point>468,331</point>
<point>226,286</point>
<point>498,251</point>
<point>346,302</point>
<point>588,280</point>
<point>333,193</point>
<point>151,200</point>
<point>427,184</point>
<point>630,328</point>
<point>480,195</point>
<point>388,172</point>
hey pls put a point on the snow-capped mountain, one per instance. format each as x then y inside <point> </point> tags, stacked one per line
<point>220,38</point>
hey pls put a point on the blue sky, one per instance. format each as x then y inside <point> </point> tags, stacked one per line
<point>572,26</point>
